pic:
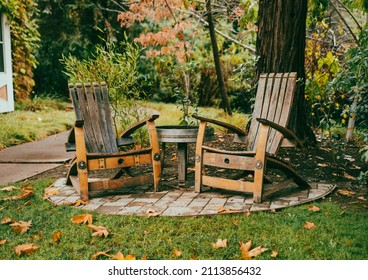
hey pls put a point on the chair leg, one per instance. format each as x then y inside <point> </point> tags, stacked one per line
<point>199,157</point>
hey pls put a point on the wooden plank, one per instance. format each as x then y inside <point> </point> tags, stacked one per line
<point>199,157</point>
<point>274,102</point>
<point>260,159</point>
<point>116,184</point>
<point>257,112</point>
<point>109,120</point>
<point>228,161</point>
<point>227,184</point>
<point>118,162</point>
<point>284,106</point>
<point>155,153</point>
<point>94,119</point>
<point>88,132</point>
<point>109,140</point>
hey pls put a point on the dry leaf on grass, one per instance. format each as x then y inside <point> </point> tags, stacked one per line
<point>98,230</point>
<point>362,198</point>
<point>9,188</point>
<point>236,223</point>
<point>348,176</point>
<point>25,249</point>
<point>176,253</point>
<point>120,256</point>
<point>83,218</point>
<point>26,192</point>
<point>309,225</point>
<point>3,241</point>
<point>21,226</point>
<point>56,236</point>
<point>314,208</point>
<point>346,192</point>
<point>274,254</point>
<point>221,243</point>
<point>104,253</point>
<point>6,220</point>
<point>247,254</point>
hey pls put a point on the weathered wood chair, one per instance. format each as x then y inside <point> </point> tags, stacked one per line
<point>267,133</point>
<point>97,147</point>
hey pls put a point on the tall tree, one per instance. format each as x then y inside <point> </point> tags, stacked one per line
<point>216,58</point>
<point>280,47</point>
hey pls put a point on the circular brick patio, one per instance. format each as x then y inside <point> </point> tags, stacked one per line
<point>181,202</point>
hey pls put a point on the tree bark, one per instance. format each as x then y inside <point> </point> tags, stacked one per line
<point>280,47</point>
<point>216,58</point>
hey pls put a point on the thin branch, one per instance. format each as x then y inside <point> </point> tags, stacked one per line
<point>349,12</point>
<point>205,23</point>
<point>346,24</point>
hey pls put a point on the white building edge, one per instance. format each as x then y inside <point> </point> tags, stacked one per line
<point>6,75</point>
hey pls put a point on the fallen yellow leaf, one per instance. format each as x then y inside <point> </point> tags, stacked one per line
<point>2,241</point>
<point>120,256</point>
<point>9,188</point>
<point>21,226</point>
<point>314,208</point>
<point>6,220</point>
<point>104,253</point>
<point>99,230</point>
<point>50,193</point>
<point>221,243</point>
<point>309,225</point>
<point>152,213</point>
<point>83,218</point>
<point>56,236</point>
<point>80,202</point>
<point>26,192</point>
<point>346,192</point>
<point>247,254</point>
<point>274,254</point>
<point>25,248</point>
<point>362,198</point>
<point>236,223</point>
<point>176,253</point>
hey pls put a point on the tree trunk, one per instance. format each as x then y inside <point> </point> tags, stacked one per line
<point>216,57</point>
<point>280,47</point>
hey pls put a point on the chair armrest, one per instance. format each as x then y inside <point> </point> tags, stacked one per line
<point>230,127</point>
<point>283,130</point>
<point>128,131</point>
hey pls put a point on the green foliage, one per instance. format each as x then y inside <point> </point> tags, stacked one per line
<point>70,27</point>
<point>117,66</point>
<point>25,40</point>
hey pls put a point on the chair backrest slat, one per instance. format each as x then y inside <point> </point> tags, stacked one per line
<point>92,102</point>
<point>274,99</point>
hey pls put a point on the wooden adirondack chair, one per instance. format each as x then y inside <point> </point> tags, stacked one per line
<point>97,148</point>
<point>267,133</point>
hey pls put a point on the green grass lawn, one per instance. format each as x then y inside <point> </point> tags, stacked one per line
<point>340,234</point>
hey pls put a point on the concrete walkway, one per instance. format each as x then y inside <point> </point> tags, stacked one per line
<point>26,160</point>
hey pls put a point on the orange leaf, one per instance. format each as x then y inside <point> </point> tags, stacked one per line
<point>236,223</point>
<point>314,208</point>
<point>21,226</point>
<point>6,220</point>
<point>50,193</point>
<point>99,230</point>
<point>9,188</point>
<point>152,213</point>
<point>2,241</point>
<point>84,218</point>
<point>120,256</point>
<point>80,202</point>
<point>26,192</point>
<point>346,192</point>
<point>247,254</point>
<point>104,253</point>
<point>176,253</point>
<point>221,243</point>
<point>348,176</point>
<point>274,254</point>
<point>25,248</point>
<point>309,225</point>
<point>56,236</point>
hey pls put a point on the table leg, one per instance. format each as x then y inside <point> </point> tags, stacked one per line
<point>182,163</point>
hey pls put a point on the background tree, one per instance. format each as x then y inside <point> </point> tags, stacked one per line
<point>280,47</point>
